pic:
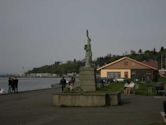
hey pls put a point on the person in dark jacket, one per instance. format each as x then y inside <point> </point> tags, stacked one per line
<point>15,84</point>
<point>63,83</point>
<point>10,85</point>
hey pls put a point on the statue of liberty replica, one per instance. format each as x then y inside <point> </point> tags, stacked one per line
<point>87,73</point>
<point>88,54</point>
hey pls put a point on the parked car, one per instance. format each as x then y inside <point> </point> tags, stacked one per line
<point>119,80</point>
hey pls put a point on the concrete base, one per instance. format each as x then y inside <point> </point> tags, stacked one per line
<point>115,98</point>
<point>87,79</point>
<point>86,99</point>
<point>79,100</point>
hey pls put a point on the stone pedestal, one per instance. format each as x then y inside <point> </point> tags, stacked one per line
<point>87,79</point>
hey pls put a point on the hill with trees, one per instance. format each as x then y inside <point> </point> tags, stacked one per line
<point>74,66</point>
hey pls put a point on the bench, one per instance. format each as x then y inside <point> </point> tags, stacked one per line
<point>129,88</point>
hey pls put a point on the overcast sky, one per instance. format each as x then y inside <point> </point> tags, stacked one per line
<point>34,33</point>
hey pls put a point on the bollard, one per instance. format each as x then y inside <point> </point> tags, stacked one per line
<point>107,100</point>
<point>164,106</point>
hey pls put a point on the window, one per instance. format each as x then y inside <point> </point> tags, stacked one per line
<point>113,74</point>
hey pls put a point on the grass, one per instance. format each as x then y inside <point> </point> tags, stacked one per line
<point>145,89</point>
<point>142,88</point>
<point>162,79</point>
<point>112,88</point>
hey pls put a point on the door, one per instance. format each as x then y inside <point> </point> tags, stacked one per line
<point>126,75</point>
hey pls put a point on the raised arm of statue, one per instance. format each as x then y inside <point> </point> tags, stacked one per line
<point>87,34</point>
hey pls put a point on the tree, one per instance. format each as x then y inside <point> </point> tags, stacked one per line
<point>57,62</point>
<point>154,51</point>
<point>162,49</point>
<point>75,61</point>
<point>74,65</point>
<point>132,52</point>
<point>140,51</point>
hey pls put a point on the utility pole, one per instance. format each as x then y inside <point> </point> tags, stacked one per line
<point>161,62</point>
<point>165,61</point>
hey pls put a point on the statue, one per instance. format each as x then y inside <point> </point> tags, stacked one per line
<point>87,73</point>
<point>88,54</point>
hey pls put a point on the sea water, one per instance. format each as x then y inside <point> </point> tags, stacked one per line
<point>25,84</point>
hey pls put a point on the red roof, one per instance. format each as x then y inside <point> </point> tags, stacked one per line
<point>152,63</point>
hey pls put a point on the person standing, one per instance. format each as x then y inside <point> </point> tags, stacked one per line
<point>72,81</point>
<point>10,85</point>
<point>15,84</point>
<point>63,83</point>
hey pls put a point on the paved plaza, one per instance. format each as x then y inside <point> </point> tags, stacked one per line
<point>36,108</point>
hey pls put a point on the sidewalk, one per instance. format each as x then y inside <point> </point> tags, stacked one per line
<point>36,108</point>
